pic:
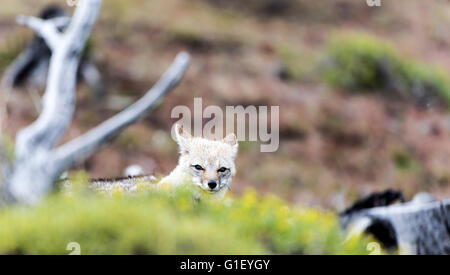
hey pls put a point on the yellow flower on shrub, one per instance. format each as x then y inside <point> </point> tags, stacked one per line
<point>159,222</point>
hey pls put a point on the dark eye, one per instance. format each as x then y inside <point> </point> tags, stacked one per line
<point>222,169</point>
<point>198,167</point>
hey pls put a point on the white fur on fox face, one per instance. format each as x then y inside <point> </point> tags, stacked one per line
<point>212,176</point>
<point>209,162</point>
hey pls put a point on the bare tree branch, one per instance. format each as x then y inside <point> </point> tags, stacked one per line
<point>31,66</point>
<point>47,29</point>
<point>416,227</point>
<point>37,163</point>
<point>86,144</point>
<point>31,178</point>
<point>58,101</point>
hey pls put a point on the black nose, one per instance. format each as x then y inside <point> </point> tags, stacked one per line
<point>212,184</point>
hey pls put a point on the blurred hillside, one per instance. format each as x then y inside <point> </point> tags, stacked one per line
<point>364,91</point>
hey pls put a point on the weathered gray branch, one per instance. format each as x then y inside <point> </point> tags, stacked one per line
<point>31,179</point>
<point>37,163</point>
<point>47,29</point>
<point>417,227</point>
<point>59,96</point>
<point>86,144</point>
<point>32,65</point>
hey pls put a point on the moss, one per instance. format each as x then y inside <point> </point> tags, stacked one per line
<point>163,223</point>
<point>362,63</point>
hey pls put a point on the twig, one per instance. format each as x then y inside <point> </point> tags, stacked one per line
<point>47,29</point>
<point>86,144</point>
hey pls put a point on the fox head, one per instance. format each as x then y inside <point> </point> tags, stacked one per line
<point>209,162</point>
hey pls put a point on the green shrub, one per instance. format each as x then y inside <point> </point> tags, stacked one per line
<point>362,63</point>
<point>158,223</point>
<point>299,64</point>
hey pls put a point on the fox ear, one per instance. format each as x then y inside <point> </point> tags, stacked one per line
<point>231,139</point>
<point>183,138</point>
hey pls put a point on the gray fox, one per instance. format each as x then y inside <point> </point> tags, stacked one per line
<point>206,164</point>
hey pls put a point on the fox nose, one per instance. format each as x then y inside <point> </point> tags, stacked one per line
<point>212,184</point>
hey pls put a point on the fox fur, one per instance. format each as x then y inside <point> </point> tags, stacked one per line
<point>207,165</point>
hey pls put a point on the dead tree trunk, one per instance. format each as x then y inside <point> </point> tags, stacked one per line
<point>416,227</point>
<point>37,162</point>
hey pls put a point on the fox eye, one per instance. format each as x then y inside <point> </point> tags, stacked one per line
<point>198,167</point>
<point>222,169</point>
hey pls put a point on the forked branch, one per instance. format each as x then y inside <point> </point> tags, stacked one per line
<point>47,29</point>
<point>85,145</point>
<point>37,163</point>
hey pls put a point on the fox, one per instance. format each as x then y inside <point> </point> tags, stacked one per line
<point>204,164</point>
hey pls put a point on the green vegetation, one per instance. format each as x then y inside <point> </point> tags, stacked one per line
<point>157,223</point>
<point>405,161</point>
<point>299,64</point>
<point>7,145</point>
<point>197,40</point>
<point>362,63</point>
<point>188,36</point>
<point>402,160</point>
<point>11,49</point>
